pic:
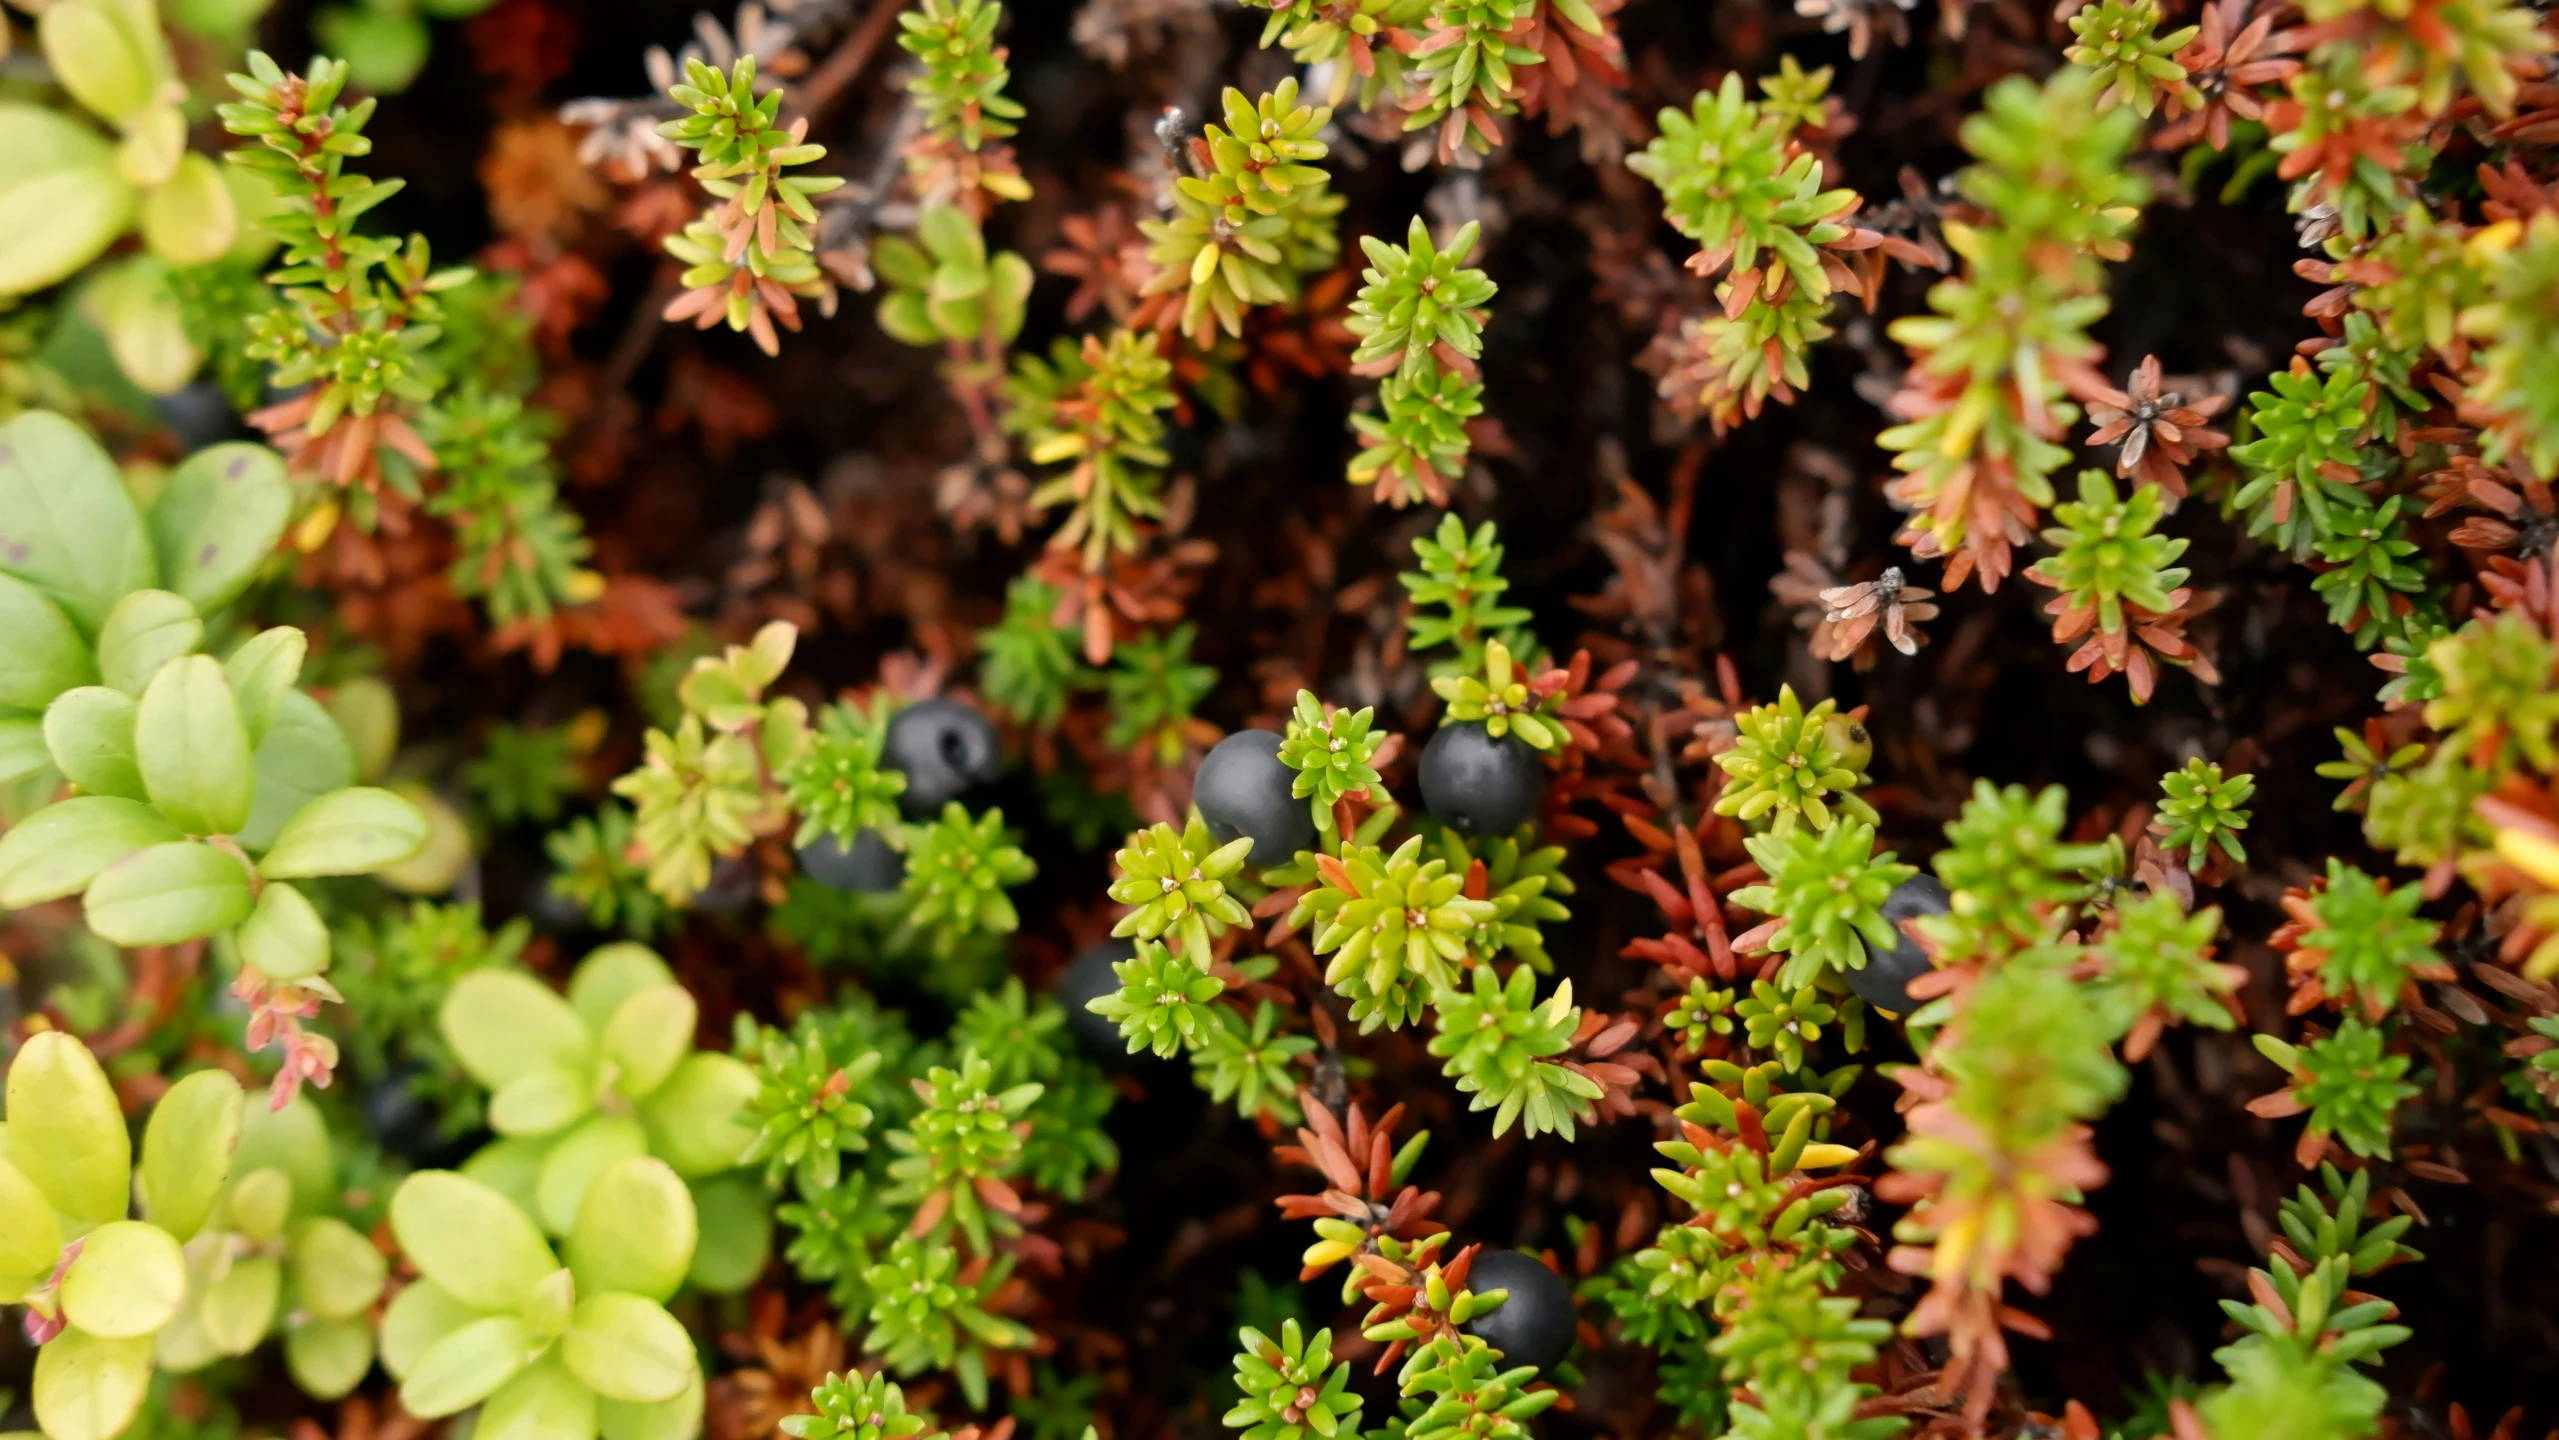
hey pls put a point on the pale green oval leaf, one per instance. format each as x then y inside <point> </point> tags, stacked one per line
<point>328,1358</point>
<point>89,733</point>
<point>368,714</point>
<point>462,1369</point>
<point>470,1240</point>
<point>612,974</point>
<point>54,166</point>
<point>193,748</point>
<point>541,1103</point>
<point>146,630</point>
<point>101,63</point>
<point>239,1308</point>
<point>627,1348</point>
<point>30,1236</point>
<point>66,1132</point>
<point>416,1319</point>
<point>45,654</point>
<point>187,1149</point>
<point>635,1232</point>
<point>571,1168</point>
<point>59,849</point>
<point>647,1036</point>
<point>513,1168</point>
<point>262,672</point>
<point>22,748</point>
<point>67,524</point>
<point>303,757</point>
<point>129,1280</point>
<point>261,1200</point>
<point>693,1118</point>
<point>347,833</point>
<point>504,1025</point>
<point>294,1141</point>
<point>336,1271</point>
<point>87,1387</point>
<point>543,1402</point>
<point>189,219</point>
<point>168,893</point>
<point>449,850</point>
<point>676,1419</point>
<point>737,1232</point>
<point>284,937</point>
<point>182,1347</point>
<point>218,518</point>
<point>131,302</point>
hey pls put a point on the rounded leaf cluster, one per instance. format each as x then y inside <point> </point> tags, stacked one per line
<point>1176,879</point>
<point>1788,764</point>
<point>1416,298</point>
<point>1330,750</point>
<point>838,785</point>
<point>1396,926</point>
<point>1292,1387</point>
<point>1827,889</point>
<point>957,870</point>
<point>1499,1042</point>
<point>606,1073</point>
<point>1164,1003</point>
<point>961,86</point>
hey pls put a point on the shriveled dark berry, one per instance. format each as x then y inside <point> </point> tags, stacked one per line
<point>1535,1324</point>
<point>1089,978</point>
<point>944,749</point>
<point>732,887</point>
<point>1243,789</point>
<point>866,867</point>
<point>1477,783</point>
<point>1885,981</point>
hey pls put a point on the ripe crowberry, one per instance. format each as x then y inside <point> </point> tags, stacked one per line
<point>1088,978</point>
<point>866,867</point>
<point>1243,789</point>
<point>1885,981</point>
<point>1477,783</point>
<point>405,1121</point>
<point>1535,1324</point>
<point>944,749</point>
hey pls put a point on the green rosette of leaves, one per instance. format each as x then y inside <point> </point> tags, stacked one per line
<point>547,1351</point>
<point>99,1286</point>
<point>202,785</point>
<point>581,1084</point>
<point>276,1257</point>
<point>945,288</point>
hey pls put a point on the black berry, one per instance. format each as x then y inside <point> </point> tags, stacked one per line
<point>551,910</point>
<point>866,867</point>
<point>405,1121</point>
<point>1885,981</point>
<point>199,415</point>
<point>1477,783</point>
<point>732,887</point>
<point>1090,978</point>
<point>944,749</point>
<point>1243,789</point>
<point>1535,1324</point>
